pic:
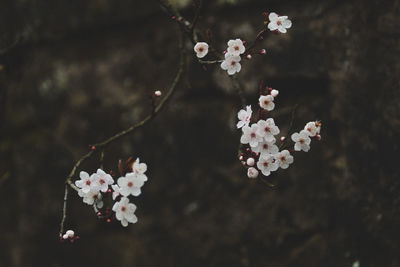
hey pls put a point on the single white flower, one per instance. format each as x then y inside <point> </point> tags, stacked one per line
<point>266,164</point>
<point>231,64</point>
<point>235,47</point>
<point>267,129</point>
<point>267,102</point>
<point>65,236</point>
<point>265,148</point>
<point>131,184</point>
<point>284,159</point>
<point>250,135</point>
<point>252,172</point>
<point>86,183</point>
<point>312,129</point>
<point>302,141</point>
<point>125,211</point>
<point>116,191</point>
<point>280,23</point>
<point>201,49</point>
<point>244,117</point>
<point>102,180</point>
<point>139,168</point>
<point>91,197</point>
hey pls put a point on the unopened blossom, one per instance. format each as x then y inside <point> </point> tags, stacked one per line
<point>125,211</point>
<point>280,23</point>
<point>267,164</point>
<point>157,93</point>
<point>131,184</point>
<point>201,49</point>
<point>102,180</point>
<point>250,135</point>
<point>86,183</point>
<point>139,168</point>
<point>244,117</point>
<point>302,141</point>
<point>267,129</point>
<point>91,197</point>
<point>250,162</point>
<point>312,129</point>
<point>274,93</point>
<point>284,159</point>
<point>70,233</point>
<point>252,172</point>
<point>231,64</point>
<point>65,236</point>
<point>235,47</point>
<point>116,191</point>
<point>265,148</point>
<point>267,102</point>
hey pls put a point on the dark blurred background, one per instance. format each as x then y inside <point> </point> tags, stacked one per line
<point>76,72</point>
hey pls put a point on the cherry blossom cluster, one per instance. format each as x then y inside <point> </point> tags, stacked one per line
<point>258,139</point>
<point>236,48</point>
<point>95,187</point>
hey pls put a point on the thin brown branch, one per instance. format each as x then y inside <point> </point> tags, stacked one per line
<point>290,126</point>
<point>64,213</point>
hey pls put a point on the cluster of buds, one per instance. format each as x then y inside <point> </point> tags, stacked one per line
<point>69,236</point>
<point>96,187</point>
<point>258,139</point>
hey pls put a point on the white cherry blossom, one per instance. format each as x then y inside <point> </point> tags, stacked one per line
<point>91,197</point>
<point>312,129</point>
<point>86,183</point>
<point>284,159</point>
<point>267,129</point>
<point>235,47</point>
<point>244,117</point>
<point>125,211</point>
<point>139,168</point>
<point>265,148</point>
<point>102,180</point>
<point>252,172</point>
<point>131,184</point>
<point>280,23</point>
<point>201,49</point>
<point>267,102</point>
<point>250,135</point>
<point>116,191</point>
<point>302,141</point>
<point>266,164</point>
<point>231,64</point>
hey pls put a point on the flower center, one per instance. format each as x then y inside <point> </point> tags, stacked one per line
<point>283,158</point>
<point>301,141</point>
<point>265,146</point>
<point>123,208</point>
<point>102,181</point>
<point>267,129</point>
<point>130,184</point>
<point>233,63</point>
<point>201,49</point>
<point>265,164</point>
<point>266,102</point>
<point>252,135</point>
<point>236,47</point>
<point>279,22</point>
<point>88,182</point>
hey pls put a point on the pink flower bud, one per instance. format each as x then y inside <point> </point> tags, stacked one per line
<point>241,158</point>
<point>248,56</point>
<point>157,93</point>
<point>263,51</point>
<point>318,137</point>
<point>282,138</point>
<point>250,162</point>
<point>65,236</point>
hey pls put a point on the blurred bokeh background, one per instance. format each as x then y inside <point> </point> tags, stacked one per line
<point>75,72</point>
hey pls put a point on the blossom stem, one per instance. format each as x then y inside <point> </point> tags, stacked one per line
<point>290,126</point>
